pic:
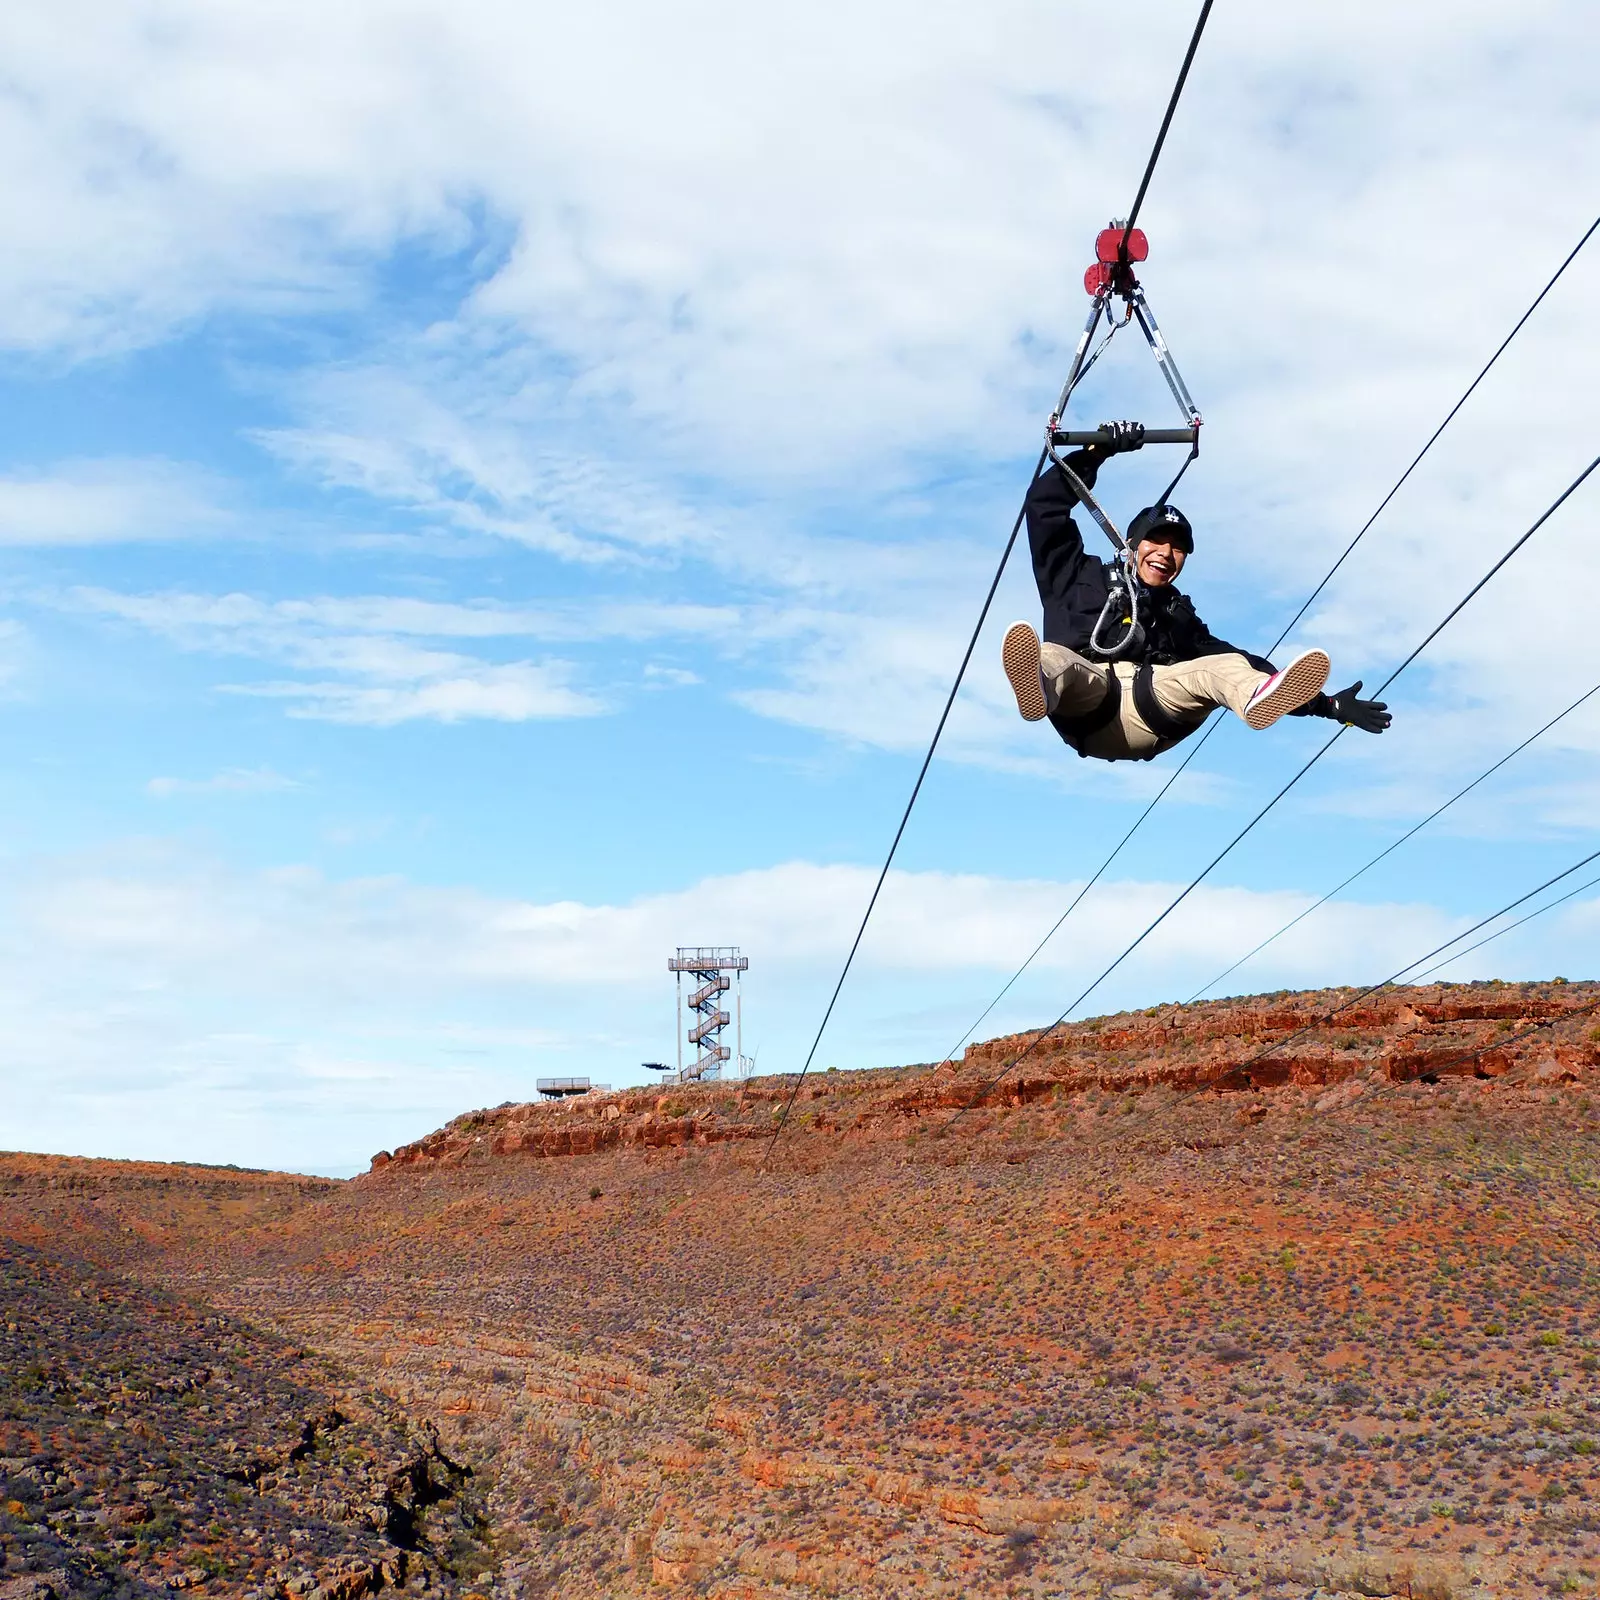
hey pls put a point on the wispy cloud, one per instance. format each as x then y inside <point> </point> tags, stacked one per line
<point>384,676</point>
<point>110,502</point>
<point>701,326</point>
<point>443,688</point>
<point>244,622</point>
<point>319,1017</point>
<point>232,780</point>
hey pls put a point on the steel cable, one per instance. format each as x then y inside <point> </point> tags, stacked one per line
<point>1199,744</point>
<point>1166,123</point>
<point>1394,977</point>
<point>1432,1069</point>
<point>1005,556</point>
<point>1538,299</point>
<point>1389,849</point>
<point>894,845</point>
<point>1500,933</point>
<point>1436,1067</point>
<point>1205,872</point>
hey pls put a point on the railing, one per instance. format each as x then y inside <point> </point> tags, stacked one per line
<point>713,1021</point>
<point>705,992</point>
<point>709,958</point>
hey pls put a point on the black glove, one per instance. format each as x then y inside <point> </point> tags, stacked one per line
<point>1121,436</point>
<point>1370,716</point>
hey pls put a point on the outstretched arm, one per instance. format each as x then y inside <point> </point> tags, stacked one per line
<point>1370,716</point>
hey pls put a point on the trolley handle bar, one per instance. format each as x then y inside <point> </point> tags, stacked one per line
<point>1083,436</point>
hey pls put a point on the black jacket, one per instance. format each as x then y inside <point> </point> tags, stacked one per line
<point>1073,584</point>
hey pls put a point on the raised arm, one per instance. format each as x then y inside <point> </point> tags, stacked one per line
<point>1053,536</point>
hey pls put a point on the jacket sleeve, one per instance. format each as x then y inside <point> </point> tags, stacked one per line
<point>1053,536</point>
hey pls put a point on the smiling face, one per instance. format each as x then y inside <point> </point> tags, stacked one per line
<point>1159,561</point>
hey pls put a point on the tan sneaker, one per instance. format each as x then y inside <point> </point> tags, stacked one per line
<point>1020,657</point>
<point>1288,690</point>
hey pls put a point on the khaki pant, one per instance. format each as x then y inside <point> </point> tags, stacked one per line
<point>1188,690</point>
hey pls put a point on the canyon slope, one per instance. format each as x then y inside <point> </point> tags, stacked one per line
<point>1282,1296</point>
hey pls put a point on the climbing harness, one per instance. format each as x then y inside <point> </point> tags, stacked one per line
<point>1171,730</point>
<point>1112,277</point>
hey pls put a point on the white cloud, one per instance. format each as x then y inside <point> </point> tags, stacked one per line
<point>384,676</point>
<point>455,689</point>
<point>240,621</point>
<point>713,264</point>
<point>108,502</point>
<point>154,1002</point>
<point>232,780</point>
<point>656,676</point>
<point>700,319</point>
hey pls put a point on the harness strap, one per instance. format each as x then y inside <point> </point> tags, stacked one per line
<point>1159,721</point>
<point>1076,730</point>
<point>1188,461</point>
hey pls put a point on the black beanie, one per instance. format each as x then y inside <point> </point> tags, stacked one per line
<point>1165,521</point>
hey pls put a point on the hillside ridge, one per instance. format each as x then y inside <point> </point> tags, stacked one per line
<point>1398,1035</point>
<point>1145,1322</point>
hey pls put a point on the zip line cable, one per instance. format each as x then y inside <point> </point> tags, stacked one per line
<point>1494,916</point>
<point>1205,872</point>
<point>1515,1038</point>
<point>1389,849</point>
<point>1172,906</point>
<point>1431,1069</point>
<point>983,614</point>
<point>1077,899</point>
<point>1434,1068</point>
<point>1394,977</point>
<point>1166,123</point>
<point>1199,744</point>
<point>1571,894</point>
<point>1416,461</point>
<point>894,845</point>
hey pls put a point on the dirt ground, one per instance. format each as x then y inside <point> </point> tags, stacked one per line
<point>1154,1317</point>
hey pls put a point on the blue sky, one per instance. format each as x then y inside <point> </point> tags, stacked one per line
<point>491,494</point>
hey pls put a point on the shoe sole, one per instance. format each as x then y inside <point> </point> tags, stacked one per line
<point>1301,679</point>
<point>1020,657</point>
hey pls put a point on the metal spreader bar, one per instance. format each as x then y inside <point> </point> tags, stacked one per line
<point>1082,436</point>
<point>1116,249</point>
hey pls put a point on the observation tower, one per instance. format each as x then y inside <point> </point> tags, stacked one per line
<point>708,967</point>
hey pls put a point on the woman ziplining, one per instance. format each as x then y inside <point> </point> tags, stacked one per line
<point>1126,668</point>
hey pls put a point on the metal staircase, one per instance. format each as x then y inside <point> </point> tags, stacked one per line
<point>707,966</point>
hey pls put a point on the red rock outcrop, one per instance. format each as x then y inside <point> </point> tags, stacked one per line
<point>1318,1041</point>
